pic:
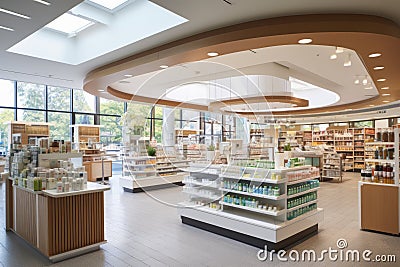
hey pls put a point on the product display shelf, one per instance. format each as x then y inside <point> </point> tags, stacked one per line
<point>146,173</point>
<point>247,212</point>
<point>379,193</point>
<point>361,136</point>
<point>333,166</point>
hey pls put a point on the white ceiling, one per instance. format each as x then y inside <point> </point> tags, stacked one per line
<point>203,16</point>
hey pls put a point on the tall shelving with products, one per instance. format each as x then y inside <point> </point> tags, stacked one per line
<point>379,206</point>
<point>361,135</point>
<point>344,144</point>
<point>281,204</point>
<point>262,143</point>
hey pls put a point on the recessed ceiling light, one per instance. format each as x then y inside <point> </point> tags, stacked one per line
<point>68,23</point>
<point>368,88</point>
<point>347,63</point>
<point>357,81</point>
<point>305,41</point>
<point>379,68</point>
<point>101,90</point>
<point>385,101</point>
<point>349,109</point>
<point>212,54</point>
<point>385,94</point>
<point>385,88</point>
<point>374,55</point>
<point>109,4</point>
<point>333,56</point>
<point>339,50</point>
<point>128,75</point>
<point>381,80</point>
<point>163,66</point>
<point>14,13</point>
<point>42,2</point>
<point>294,105</point>
<point>372,105</point>
<point>6,28</point>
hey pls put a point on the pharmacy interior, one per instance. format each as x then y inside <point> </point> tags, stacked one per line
<point>250,141</point>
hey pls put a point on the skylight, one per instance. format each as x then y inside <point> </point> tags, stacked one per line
<point>109,4</point>
<point>69,24</point>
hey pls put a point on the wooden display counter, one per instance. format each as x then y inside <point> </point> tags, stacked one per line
<point>379,207</point>
<point>59,225</point>
<point>94,169</point>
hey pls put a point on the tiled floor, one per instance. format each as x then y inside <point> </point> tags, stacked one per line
<point>144,229</point>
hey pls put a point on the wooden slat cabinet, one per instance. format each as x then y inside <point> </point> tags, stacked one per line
<point>93,169</point>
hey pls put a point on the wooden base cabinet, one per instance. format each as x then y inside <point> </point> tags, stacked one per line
<point>379,207</point>
<point>94,169</point>
<point>62,225</point>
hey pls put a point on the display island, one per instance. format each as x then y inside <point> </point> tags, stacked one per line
<point>255,205</point>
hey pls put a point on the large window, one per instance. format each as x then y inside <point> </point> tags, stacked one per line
<point>84,102</point>
<point>31,115</point>
<point>6,115</point>
<point>60,122</point>
<point>7,93</point>
<point>362,124</point>
<point>111,107</point>
<point>58,98</point>
<point>84,119</point>
<point>30,95</point>
<point>111,132</point>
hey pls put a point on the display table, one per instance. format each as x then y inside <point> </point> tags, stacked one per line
<point>59,225</point>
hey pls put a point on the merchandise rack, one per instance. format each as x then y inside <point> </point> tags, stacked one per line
<point>260,219</point>
<point>379,207</point>
<point>332,168</point>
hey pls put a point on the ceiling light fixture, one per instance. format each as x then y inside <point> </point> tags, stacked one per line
<point>381,80</point>
<point>357,80</point>
<point>6,28</point>
<point>373,55</point>
<point>128,75</point>
<point>365,80</point>
<point>333,56</point>
<point>385,88</point>
<point>109,4</point>
<point>69,24</point>
<point>368,88</point>
<point>14,13</point>
<point>385,94</point>
<point>163,66</point>
<point>379,68</point>
<point>347,63</point>
<point>372,105</point>
<point>339,50</point>
<point>42,2</point>
<point>101,90</point>
<point>385,101</point>
<point>212,54</point>
<point>305,41</point>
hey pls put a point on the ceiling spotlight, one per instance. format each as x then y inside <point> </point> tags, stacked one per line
<point>100,90</point>
<point>368,88</point>
<point>357,80</point>
<point>365,80</point>
<point>163,66</point>
<point>333,56</point>
<point>349,109</point>
<point>305,41</point>
<point>339,50</point>
<point>385,88</point>
<point>381,80</point>
<point>379,68</point>
<point>385,101</point>
<point>294,105</point>
<point>212,54</point>
<point>372,105</point>
<point>128,75</point>
<point>347,63</point>
<point>374,55</point>
<point>385,94</point>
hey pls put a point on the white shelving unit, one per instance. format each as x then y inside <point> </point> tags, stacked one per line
<point>145,173</point>
<point>254,203</point>
<point>332,166</point>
